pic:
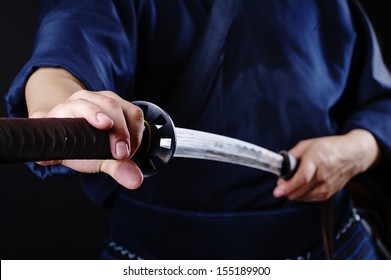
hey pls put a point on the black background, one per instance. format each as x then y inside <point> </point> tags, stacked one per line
<point>53,219</point>
<point>50,219</point>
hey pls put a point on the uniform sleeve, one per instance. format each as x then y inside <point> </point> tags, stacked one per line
<point>369,94</point>
<point>89,39</point>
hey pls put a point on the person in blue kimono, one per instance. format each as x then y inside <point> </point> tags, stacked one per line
<point>304,76</point>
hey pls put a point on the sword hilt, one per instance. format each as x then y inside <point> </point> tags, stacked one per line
<point>75,138</point>
<point>289,165</point>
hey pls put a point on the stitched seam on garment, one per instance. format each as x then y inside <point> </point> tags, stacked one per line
<point>353,218</point>
<point>123,251</point>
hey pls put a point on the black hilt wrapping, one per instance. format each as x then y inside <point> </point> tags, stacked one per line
<point>23,139</point>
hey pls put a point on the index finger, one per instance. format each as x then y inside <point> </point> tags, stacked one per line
<point>304,174</point>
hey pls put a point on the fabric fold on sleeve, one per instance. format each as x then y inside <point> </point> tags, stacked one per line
<point>97,50</point>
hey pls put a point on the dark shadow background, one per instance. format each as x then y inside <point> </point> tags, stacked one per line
<point>50,219</point>
<point>53,219</point>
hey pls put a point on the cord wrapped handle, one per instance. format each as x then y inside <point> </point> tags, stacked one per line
<point>24,140</point>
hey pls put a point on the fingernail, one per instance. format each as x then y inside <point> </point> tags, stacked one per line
<point>122,150</point>
<point>278,192</point>
<point>102,117</point>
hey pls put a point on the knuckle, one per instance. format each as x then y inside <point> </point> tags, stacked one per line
<point>109,94</point>
<point>322,176</point>
<point>137,114</point>
<point>110,103</point>
<point>83,105</point>
<point>79,101</point>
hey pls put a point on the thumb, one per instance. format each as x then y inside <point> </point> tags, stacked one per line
<point>300,148</point>
<point>125,173</point>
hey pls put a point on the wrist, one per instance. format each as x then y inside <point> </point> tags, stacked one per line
<point>367,146</point>
<point>48,87</point>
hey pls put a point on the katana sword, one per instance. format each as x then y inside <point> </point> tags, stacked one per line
<point>25,140</point>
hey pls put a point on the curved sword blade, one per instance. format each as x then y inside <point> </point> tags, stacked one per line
<point>208,146</point>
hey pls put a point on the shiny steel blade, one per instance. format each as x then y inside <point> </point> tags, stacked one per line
<point>208,146</point>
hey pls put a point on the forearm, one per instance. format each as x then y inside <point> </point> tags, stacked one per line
<point>48,87</point>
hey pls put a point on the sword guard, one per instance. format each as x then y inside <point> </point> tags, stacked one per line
<point>289,165</point>
<point>158,143</point>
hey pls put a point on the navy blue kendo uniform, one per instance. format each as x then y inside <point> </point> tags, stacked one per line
<point>292,70</point>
